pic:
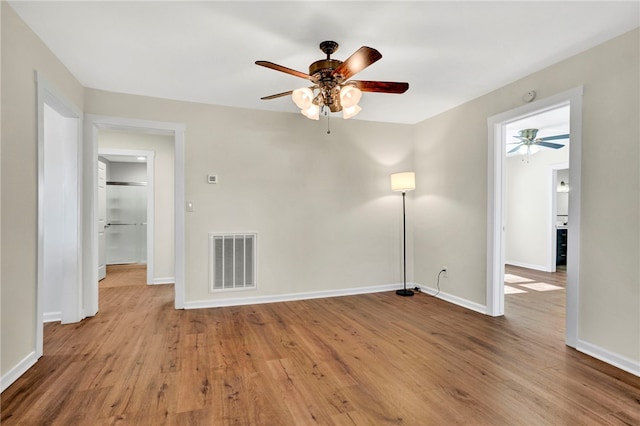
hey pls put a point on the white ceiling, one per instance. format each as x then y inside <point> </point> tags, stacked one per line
<point>449,52</point>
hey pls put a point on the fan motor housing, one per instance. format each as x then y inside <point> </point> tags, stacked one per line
<point>529,133</point>
<point>323,66</point>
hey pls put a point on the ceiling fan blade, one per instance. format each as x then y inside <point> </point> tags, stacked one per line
<point>355,63</point>
<point>553,138</point>
<point>515,149</point>
<point>381,86</point>
<point>278,95</point>
<point>286,70</point>
<point>549,144</point>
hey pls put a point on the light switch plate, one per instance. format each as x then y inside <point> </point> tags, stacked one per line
<point>212,178</point>
<point>190,206</point>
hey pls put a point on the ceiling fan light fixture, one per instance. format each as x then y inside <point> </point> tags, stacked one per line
<point>331,87</point>
<point>528,150</point>
<point>311,112</point>
<point>352,111</point>
<point>350,95</point>
<point>302,97</point>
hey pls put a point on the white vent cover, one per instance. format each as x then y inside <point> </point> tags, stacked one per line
<point>232,261</point>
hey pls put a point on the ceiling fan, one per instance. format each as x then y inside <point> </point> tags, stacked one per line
<point>528,141</point>
<point>331,87</point>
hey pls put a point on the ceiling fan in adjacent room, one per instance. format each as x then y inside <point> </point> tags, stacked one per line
<point>529,144</point>
<point>331,88</point>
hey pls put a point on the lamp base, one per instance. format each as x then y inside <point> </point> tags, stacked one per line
<point>404,292</point>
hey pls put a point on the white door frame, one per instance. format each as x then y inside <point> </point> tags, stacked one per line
<point>149,158</point>
<point>102,219</point>
<point>72,308</point>
<point>93,123</point>
<point>496,205</point>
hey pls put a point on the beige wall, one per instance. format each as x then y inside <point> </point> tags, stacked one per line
<point>321,204</point>
<point>22,54</point>
<point>451,165</point>
<point>163,256</point>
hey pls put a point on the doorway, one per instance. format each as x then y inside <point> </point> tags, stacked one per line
<point>59,268</point>
<point>531,196</point>
<point>126,210</point>
<point>496,206</point>
<point>93,125</point>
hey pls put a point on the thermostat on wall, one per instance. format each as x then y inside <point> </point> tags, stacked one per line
<point>212,178</point>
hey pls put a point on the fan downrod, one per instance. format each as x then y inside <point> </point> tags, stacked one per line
<point>329,47</point>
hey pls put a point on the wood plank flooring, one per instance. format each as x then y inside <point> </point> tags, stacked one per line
<point>375,359</point>
<point>125,275</point>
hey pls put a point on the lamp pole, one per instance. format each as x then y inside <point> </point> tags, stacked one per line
<point>404,291</point>
<point>404,181</point>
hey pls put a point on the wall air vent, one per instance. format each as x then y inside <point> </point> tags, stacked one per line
<point>232,261</point>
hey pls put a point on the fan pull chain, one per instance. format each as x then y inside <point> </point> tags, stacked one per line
<point>328,121</point>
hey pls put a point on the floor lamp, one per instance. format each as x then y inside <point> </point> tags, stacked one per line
<point>404,182</point>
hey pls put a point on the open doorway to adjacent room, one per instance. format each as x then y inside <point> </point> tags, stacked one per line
<point>110,140</point>
<point>136,207</point>
<point>60,254</point>
<point>126,213</point>
<point>523,217</point>
<point>536,207</point>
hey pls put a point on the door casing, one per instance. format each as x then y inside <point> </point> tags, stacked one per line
<point>92,124</point>
<point>72,307</point>
<point>102,219</point>
<point>496,205</point>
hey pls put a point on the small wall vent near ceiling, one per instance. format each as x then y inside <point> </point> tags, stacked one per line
<point>232,261</point>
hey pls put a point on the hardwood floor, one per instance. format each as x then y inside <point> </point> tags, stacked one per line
<point>372,359</point>
<point>125,275</point>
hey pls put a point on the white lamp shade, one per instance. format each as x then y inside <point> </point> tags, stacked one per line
<point>348,112</point>
<point>302,97</point>
<point>312,112</point>
<point>405,181</point>
<point>349,96</point>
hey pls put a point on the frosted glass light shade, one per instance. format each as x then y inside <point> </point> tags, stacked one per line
<point>349,96</point>
<point>348,112</point>
<point>528,150</point>
<point>312,112</point>
<point>302,97</point>
<point>405,181</point>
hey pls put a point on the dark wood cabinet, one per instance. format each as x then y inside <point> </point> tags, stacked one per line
<point>561,247</point>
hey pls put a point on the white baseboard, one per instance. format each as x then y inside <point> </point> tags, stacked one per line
<point>52,317</point>
<point>454,299</point>
<point>542,268</point>
<point>164,280</point>
<point>621,362</point>
<point>238,301</point>
<point>17,371</point>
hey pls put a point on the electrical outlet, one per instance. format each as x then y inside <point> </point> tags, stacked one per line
<point>446,272</point>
